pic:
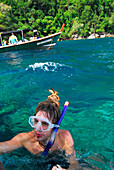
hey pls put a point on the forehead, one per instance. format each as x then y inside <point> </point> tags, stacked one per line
<point>43,114</point>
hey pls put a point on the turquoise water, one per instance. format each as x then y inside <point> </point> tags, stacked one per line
<point>82,72</point>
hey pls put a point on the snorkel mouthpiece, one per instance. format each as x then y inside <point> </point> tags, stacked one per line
<point>55,129</point>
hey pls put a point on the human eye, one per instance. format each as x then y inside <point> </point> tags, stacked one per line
<point>45,123</point>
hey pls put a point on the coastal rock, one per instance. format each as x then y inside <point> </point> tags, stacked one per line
<point>102,36</point>
<point>96,35</point>
<point>74,36</point>
<point>91,36</point>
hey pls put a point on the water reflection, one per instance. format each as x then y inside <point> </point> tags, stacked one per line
<point>13,59</point>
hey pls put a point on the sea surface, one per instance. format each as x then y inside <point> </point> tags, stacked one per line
<point>82,71</point>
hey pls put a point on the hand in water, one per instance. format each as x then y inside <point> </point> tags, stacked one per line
<point>58,167</point>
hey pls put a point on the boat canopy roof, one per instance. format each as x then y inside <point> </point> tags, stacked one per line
<point>14,31</point>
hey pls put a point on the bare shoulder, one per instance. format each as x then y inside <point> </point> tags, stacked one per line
<point>66,141</point>
<point>23,137</point>
<point>64,133</point>
<point>64,136</point>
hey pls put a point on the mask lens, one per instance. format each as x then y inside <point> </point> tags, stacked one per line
<point>45,125</point>
<point>35,121</point>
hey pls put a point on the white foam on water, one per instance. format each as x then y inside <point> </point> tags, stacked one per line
<point>47,66</point>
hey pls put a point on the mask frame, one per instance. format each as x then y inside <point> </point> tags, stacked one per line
<point>51,125</point>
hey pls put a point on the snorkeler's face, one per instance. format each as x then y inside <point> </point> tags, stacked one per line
<point>40,129</point>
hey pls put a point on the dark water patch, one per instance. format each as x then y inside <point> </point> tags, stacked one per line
<point>18,160</point>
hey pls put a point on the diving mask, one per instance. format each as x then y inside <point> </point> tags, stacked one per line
<point>45,124</point>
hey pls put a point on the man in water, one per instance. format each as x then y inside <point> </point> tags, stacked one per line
<point>46,116</point>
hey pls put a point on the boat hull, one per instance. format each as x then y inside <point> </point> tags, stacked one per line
<point>47,42</point>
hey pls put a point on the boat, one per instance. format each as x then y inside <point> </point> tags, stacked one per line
<point>47,42</point>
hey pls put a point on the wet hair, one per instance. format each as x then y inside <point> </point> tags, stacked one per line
<point>50,106</point>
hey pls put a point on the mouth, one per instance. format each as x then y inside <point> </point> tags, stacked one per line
<point>39,135</point>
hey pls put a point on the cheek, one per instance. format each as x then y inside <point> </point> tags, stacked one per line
<point>48,133</point>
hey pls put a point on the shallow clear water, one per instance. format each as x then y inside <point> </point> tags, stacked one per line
<point>82,72</point>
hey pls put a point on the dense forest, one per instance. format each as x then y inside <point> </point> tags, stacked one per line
<point>81,17</point>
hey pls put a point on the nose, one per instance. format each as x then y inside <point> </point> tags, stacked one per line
<point>38,126</point>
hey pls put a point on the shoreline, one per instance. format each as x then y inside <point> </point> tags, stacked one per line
<point>92,36</point>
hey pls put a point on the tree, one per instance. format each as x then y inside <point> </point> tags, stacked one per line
<point>82,17</point>
<point>4,22</point>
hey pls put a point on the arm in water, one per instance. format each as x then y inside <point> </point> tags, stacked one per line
<point>11,145</point>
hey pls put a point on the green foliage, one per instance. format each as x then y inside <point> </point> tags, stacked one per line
<point>81,17</point>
